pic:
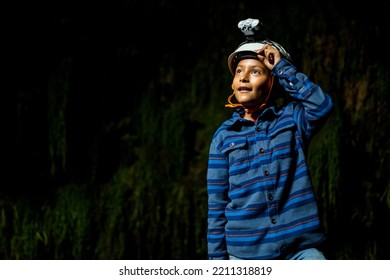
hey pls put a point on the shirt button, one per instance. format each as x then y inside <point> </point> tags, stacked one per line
<point>258,129</point>
<point>231,144</point>
<point>266,173</point>
<point>270,196</point>
<point>280,72</point>
<point>261,150</point>
<point>273,221</point>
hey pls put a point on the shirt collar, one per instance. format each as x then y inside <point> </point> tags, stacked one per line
<point>236,121</point>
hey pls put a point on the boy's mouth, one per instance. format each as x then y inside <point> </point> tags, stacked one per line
<point>244,89</point>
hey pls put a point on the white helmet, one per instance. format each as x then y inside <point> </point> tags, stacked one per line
<point>248,48</point>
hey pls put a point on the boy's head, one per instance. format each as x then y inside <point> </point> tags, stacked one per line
<point>253,82</point>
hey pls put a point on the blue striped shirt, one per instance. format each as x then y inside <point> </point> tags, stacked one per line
<point>261,203</point>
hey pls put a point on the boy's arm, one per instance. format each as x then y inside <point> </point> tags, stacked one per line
<point>317,105</point>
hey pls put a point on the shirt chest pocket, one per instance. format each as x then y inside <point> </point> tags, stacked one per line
<point>237,151</point>
<point>283,141</point>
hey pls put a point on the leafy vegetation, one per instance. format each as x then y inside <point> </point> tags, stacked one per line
<point>114,121</point>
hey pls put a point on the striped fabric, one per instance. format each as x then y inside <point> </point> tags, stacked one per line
<point>261,203</point>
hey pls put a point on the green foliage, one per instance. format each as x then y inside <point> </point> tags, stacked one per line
<point>126,164</point>
<point>57,230</point>
<point>57,116</point>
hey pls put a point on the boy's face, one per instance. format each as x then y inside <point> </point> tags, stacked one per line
<point>251,82</point>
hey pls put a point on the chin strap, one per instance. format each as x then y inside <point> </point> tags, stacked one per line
<point>230,104</point>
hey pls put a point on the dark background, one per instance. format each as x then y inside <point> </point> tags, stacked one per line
<point>110,106</point>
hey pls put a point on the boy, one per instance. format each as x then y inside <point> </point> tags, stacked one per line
<point>260,198</point>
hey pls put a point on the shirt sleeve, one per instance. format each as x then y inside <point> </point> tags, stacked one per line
<point>315,106</point>
<point>217,189</point>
